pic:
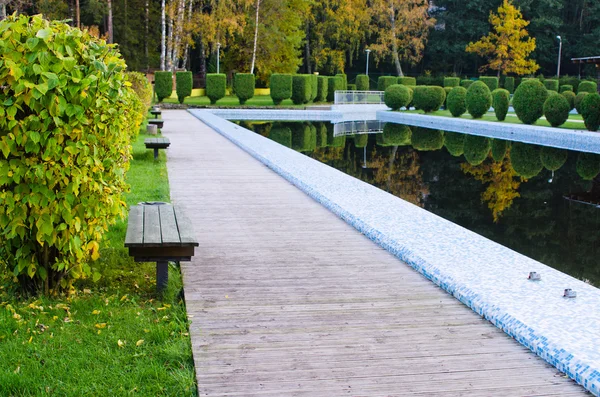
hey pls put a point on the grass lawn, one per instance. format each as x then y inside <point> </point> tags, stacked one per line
<point>111,338</point>
<point>233,101</point>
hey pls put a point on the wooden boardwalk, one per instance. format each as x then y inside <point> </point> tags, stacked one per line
<point>286,299</point>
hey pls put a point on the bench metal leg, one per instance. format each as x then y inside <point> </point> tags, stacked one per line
<point>155,153</point>
<point>162,275</point>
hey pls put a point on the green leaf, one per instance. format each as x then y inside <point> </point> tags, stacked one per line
<point>32,42</point>
<point>44,33</point>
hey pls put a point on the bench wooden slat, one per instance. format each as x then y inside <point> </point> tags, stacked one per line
<point>168,225</point>
<point>151,225</point>
<point>186,230</point>
<point>135,227</point>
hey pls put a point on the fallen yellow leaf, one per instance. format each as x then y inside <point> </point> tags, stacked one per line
<point>17,316</point>
<point>139,342</point>
<point>96,312</point>
<point>123,297</point>
<point>120,343</point>
<point>101,325</point>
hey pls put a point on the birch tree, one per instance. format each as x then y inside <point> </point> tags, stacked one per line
<point>255,36</point>
<point>163,38</point>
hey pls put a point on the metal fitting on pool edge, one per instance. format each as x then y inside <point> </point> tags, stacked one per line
<point>569,293</point>
<point>534,276</point>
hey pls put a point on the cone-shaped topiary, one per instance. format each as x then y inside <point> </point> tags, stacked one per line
<point>427,139</point>
<point>361,140</point>
<point>590,111</point>
<point>183,87</point>
<point>588,165</point>
<point>216,86</point>
<point>499,148</point>
<point>163,85</point>
<point>553,158</point>
<point>479,99</point>
<point>477,149</point>
<point>281,87</point>
<point>281,135</point>
<point>396,134</point>
<point>525,159</point>
<point>529,99</point>
<point>429,98</point>
<point>455,142</point>
<point>556,109</point>
<point>500,102</point>
<point>457,101</point>
<point>397,96</point>
<point>362,82</point>
<point>384,82</point>
<point>570,97</point>
<point>578,100</point>
<point>322,88</point>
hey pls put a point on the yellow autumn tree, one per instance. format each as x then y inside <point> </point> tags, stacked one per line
<point>508,46</point>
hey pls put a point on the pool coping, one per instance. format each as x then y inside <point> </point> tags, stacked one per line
<point>534,313</point>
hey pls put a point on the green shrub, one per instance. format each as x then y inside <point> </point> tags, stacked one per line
<point>163,84</point>
<point>352,87</point>
<point>314,87</point>
<point>322,85</point>
<point>335,84</point>
<point>569,80</point>
<point>397,96</point>
<point>427,139</point>
<point>466,83</point>
<point>244,86</point>
<point>384,82</point>
<point>490,81</point>
<point>566,87</point>
<point>281,135</point>
<point>525,158</point>
<point>396,134</point>
<point>509,84</point>
<point>429,98</point>
<point>407,81</point>
<point>321,134</point>
<point>556,109</point>
<point>479,99</point>
<point>281,87</point>
<point>588,165</point>
<point>141,86</point>
<point>447,91</point>
<point>451,81</point>
<point>301,89</point>
<point>477,149</point>
<point>344,80</point>
<point>500,102</point>
<point>361,140</point>
<point>302,137</point>
<point>529,99</point>
<point>551,84</point>
<point>553,158</point>
<point>578,101</point>
<point>587,86</point>
<point>457,101</point>
<point>335,141</point>
<point>590,111</point>
<point>362,82</point>
<point>71,116</point>
<point>499,148</point>
<point>570,97</point>
<point>183,87</point>
<point>216,86</point>
<point>455,142</point>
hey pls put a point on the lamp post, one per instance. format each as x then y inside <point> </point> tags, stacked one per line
<point>218,55</point>
<point>559,51</point>
<point>367,51</point>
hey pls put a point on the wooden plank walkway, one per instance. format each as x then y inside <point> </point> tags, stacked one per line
<point>286,299</point>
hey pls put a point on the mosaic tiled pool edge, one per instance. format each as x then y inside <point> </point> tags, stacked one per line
<point>567,351</point>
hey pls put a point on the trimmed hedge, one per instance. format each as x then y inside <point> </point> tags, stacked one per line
<point>451,82</point>
<point>301,89</point>
<point>335,141</point>
<point>566,87</point>
<point>322,88</point>
<point>529,99</point>
<point>281,135</point>
<point>216,86</point>
<point>477,149</point>
<point>570,97</point>
<point>361,140</point>
<point>335,84</point>
<point>479,99</point>
<point>590,111</point>
<point>509,84</point>
<point>303,139</point>
<point>244,86</point>
<point>551,84</point>
<point>362,82</point>
<point>455,142</point>
<point>457,101</point>
<point>183,86</point>
<point>578,100</point>
<point>321,134</point>
<point>429,98</point>
<point>281,87</point>
<point>447,91</point>
<point>397,96</point>
<point>396,134</point>
<point>588,165</point>
<point>556,109</point>
<point>466,83</point>
<point>141,86</point>
<point>499,148</point>
<point>427,139</point>
<point>314,87</point>
<point>407,81</point>
<point>344,80</point>
<point>500,102</point>
<point>587,86</point>
<point>553,158</point>
<point>490,81</point>
<point>163,85</point>
<point>384,82</point>
<point>525,159</point>
<point>352,87</point>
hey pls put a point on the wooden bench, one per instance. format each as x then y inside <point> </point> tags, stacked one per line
<point>157,143</point>
<point>159,232</point>
<point>157,122</point>
<point>156,113</point>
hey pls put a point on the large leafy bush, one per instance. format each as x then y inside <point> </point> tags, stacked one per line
<point>281,87</point>
<point>184,83</point>
<point>244,86</point>
<point>163,84</point>
<point>529,99</point>
<point>67,118</point>
<point>141,86</point>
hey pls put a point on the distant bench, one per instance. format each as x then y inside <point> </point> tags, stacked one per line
<point>157,143</point>
<point>160,232</point>
<point>157,122</point>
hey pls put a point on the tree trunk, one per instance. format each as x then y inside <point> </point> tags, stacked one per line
<point>307,49</point>
<point>147,61</point>
<point>178,33</point>
<point>78,14</point>
<point>110,22</point>
<point>2,11</point>
<point>255,36</point>
<point>170,43</point>
<point>187,44</point>
<point>395,42</point>
<point>202,59</point>
<point>163,47</point>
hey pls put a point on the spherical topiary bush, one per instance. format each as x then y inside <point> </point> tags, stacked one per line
<point>281,135</point>
<point>479,99</point>
<point>361,140</point>
<point>362,82</point>
<point>500,102</point>
<point>429,98</point>
<point>457,101</point>
<point>68,118</point>
<point>322,88</point>
<point>587,86</point>
<point>556,109</point>
<point>427,139</point>
<point>397,96</point>
<point>588,165</point>
<point>383,82</point>
<point>553,158</point>
<point>570,97</point>
<point>163,85</point>
<point>578,100</point>
<point>141,86</point>
<point>590,111</point>
<point>281,87</point>
<point>455,142</point>
<point>499,148</point>
<point>565,87</point>
<point>184,82</point>
<point>525,159</point>
<point>477,149</point>
<point>216,86</point>
<point>244,86</point>
<point>396,134</point>
<point>529,99</point>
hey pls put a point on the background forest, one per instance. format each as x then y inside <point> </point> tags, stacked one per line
<point>328,36</point>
